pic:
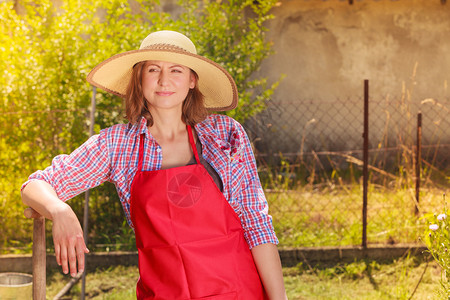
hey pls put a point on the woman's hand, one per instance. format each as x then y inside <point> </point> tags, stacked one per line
<point>67,233</point>
<point>68,240</point>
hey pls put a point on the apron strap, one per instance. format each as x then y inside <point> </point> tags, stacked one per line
<point>192,142</point>
<point>141,151</point>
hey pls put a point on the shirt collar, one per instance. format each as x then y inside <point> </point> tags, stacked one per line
<point>138,128</point>
<point>203,128</point>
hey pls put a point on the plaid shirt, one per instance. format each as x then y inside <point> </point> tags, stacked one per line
<point>112,155</point>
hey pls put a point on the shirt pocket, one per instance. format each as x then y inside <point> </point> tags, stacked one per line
<point>232,150</point>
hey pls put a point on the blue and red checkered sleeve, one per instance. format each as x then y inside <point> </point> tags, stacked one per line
<point>84,168</point>
<point>255,218</point>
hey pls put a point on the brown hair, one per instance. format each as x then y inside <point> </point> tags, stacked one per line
<point>193,111</point>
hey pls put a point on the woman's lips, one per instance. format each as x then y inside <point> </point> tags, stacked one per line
<point>164,93</point>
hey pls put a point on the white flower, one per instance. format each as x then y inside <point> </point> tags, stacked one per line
<point>441,217</point>
<point>434,227</point>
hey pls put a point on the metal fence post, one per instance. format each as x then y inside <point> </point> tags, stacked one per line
<point>86,195</point>
<point>365,162</point>
<point>418,159</point>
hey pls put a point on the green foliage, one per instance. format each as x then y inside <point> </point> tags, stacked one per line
<point>44,97</point>
<point>47,49</point>
<point>437,239</point>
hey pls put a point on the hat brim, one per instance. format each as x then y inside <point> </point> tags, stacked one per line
<point>215,83</point>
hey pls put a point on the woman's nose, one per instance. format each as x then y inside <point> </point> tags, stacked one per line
<point>162,78</point>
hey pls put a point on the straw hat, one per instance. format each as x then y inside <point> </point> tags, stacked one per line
<point>215,83</point>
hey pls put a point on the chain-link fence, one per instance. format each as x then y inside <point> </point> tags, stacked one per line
<point>309,156</point>
<point>318,146</point>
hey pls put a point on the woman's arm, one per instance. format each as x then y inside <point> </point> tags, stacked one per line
<point>252,208</point>
<point>268,263</point>
<point>67,233</point>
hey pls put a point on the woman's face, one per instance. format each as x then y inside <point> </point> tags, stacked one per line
<point>165,85</point>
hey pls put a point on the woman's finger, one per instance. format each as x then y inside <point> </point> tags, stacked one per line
<point>65,268</point>
<point>57,253</point>
<point>72,257</point>
<point>81,250</point>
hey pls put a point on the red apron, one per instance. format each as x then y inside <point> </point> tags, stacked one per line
<point>190,241</point>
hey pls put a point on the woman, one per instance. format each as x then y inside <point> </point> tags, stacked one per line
<point>187,180</point>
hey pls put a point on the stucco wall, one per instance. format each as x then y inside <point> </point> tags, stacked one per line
<point>327,48</point>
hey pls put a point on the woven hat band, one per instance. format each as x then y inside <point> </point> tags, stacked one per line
<point>164,47</point>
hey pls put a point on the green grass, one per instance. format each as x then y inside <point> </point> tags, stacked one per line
<point>332,216</point>
<point>310,217</point>
<point>117,282</point>
<point>358,280</point>
<point>365,280</point>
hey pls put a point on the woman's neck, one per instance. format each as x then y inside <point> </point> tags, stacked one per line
<point>167,125</point>
<point>170,133</point>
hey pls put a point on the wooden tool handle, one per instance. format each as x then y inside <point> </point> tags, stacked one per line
<point>39,254</point>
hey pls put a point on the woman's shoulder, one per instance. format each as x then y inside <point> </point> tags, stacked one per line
<point>121,130</point>
<point>220,123</point>
<point>223,130</point>
<point>117,128</point>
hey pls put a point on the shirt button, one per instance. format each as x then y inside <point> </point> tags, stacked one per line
<point>158,150</point>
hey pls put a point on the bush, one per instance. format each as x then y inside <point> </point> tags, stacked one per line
<point>46,50</point>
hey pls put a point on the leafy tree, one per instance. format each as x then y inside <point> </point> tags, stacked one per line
<point>47,49</point>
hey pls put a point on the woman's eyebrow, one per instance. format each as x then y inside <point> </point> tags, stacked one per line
<point>177,66</point>
<point>159,66</point>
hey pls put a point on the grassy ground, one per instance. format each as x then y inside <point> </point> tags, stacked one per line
<point>322,217</point>
<point>398,279</point>
<point>309,217</point>
<point>332,216</point>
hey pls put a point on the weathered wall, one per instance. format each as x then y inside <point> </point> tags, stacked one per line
<point>327,48</point>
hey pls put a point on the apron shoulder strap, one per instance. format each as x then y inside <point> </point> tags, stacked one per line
<point>192,142</point>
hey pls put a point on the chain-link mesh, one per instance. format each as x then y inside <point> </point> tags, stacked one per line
<point>310,159</point>
<point>318,146</point>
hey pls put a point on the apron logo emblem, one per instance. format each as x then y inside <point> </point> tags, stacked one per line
<point>184,189</point>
